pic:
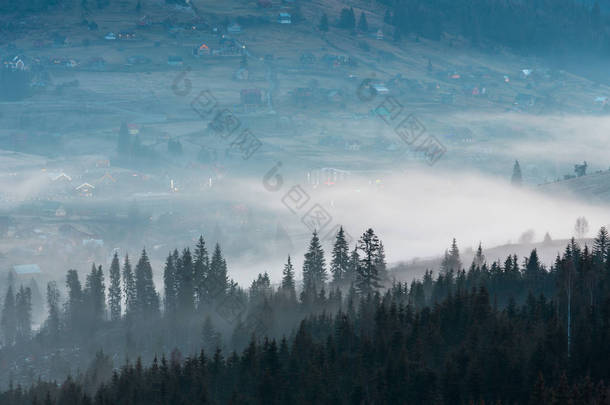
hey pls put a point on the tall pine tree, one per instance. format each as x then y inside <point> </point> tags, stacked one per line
<point>367,280</point>
<point>363,25</point>
<point>381,264</point>
<point>601,245</point>
<point>340,259</point>
<point>53,319</point>
<point>517,178</point>
<point>124,141</point>
<point>352,267</point>
<point>288,285</point>
<point>114,291</point>
<point>185,282</point>
<point>95,293</point>
<point>74,306</point>
<point>451,262</point>
<point>8,322</point>
<point>147,300</point>
<point>23,309</point>
<point>201,269</point>
<point>323,23</point>
<point>314,267</point>
<point>217,281</point>
<point>129,287</point>
<point>169,285</point>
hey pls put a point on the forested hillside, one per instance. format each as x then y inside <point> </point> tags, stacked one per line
<point>544,26</point>
<point>495,333</point>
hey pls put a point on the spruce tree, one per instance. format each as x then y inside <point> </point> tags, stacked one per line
<point>380,263</point>
<point>532,267</point>
<point>340,258</point>
<point>347,19</point>
<point>387,17</point>
<point>96,295</point>
<point>185,293</point>
<point>352,267</point>
<point>367,279</point>
<point>114,291</point>
<point>352,19</point>
<point>260,289</point>
<point>314,266</point>
<point>74,306</point>
<point>288,284</point>
<point>454,252</point>
<point>129,287</point>
<point>23,309</point>
<point>479,258</point>
<point>323,23</point>
<point>217,281</point>
<point>169,285</point>
<point>601,244</point>
<point>363,25</point>
<point>147,300</point>
<point>517,178</point>
<point>53,319</point>
<point>8,322</point>
<point>124,142</point>
<point>210,338</point>
<point>201,267</point>
<point>451,262</point>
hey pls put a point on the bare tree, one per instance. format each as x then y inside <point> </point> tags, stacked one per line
<point>581,228</point>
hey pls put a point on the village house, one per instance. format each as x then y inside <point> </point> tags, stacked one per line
<point>251,97</point>
<point>284,18</point>
<point>138,60</point>
<point>525,73</point>
<point>201,50</point>
<point>93,242</point>
<point>60,212</point>
<point>174,61</point>
<point>60,177</point>
<point>302,96</point>
<point>307,58</point>
<point>17,63</point>
<point>134,129</point>
<point>379,88</point>
<point>96,64</point>
<point>524,100</point>
<point>241,74</point>
<point>327,176</point>
<point>102,163</point>
<point>601,101</point>
<point>447,98</point>
<point>25,270</point>
<point>234,28</point>
<point>127,35</point>
<point>353,146</point>
<point>106,180</point>
<point>144,22</point>
<point>85,190</point>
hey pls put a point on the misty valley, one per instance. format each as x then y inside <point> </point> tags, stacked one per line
<point>304,202</point>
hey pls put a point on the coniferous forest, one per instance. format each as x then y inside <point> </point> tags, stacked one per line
<point>498,333</point>
<point>131,123</point>
<point>541,26</point>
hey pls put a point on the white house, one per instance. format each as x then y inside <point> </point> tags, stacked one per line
<point>284,18</point>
